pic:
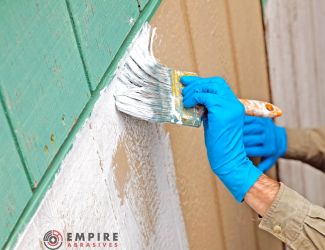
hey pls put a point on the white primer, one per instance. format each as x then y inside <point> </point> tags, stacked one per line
<point>85,198</point>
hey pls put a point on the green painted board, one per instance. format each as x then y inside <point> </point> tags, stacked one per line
<point>101,26</point>
<point>41,77</point>
<point>39,193</point>
<point>264,2</point>
<point>142,3</point>
<point>14,186</point>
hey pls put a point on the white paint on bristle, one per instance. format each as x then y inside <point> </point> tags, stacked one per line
<point>145,88</point>
<point>86,195</point>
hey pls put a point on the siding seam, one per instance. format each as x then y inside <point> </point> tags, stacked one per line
<point>185,13</point>
<point>139,6</point>
<point>233,48</point>
<point>15,139</point>
<point>77,39</point>
<point>189,32</point>
<point>48,177</point>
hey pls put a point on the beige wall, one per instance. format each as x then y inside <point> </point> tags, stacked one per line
<point>296,51</point>
<point>213,38</point>
<point>158,191</point>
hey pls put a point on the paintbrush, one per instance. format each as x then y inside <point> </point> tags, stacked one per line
<point>151,91</point>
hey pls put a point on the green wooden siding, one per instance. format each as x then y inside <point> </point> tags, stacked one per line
<point>55,57</point>
<point>15,190</point>
<point>101,28</point>
<point>142,3</point>
<point>41,76</point>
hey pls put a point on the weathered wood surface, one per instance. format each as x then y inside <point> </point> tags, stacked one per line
<point>142,3</point>
<point>41,77</point>
<point>209,37</point>
<point>44,78</point>
<point>119,176</point>
<point>14,186</point>
<point>101,27</point>
<point>296,52</point>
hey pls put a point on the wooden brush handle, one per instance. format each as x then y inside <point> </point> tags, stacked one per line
<point>260,108</point>
<point>252,107</point>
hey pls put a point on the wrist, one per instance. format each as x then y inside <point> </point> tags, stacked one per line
<point>239,177</point>
<point>262,194</point>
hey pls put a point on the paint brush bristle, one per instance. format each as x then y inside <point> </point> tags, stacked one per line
<point>151,91</point>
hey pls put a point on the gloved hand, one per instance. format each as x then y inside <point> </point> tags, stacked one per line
<point>223,130</point>
<point>262,138</point>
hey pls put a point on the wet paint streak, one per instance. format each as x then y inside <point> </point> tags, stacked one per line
<point>119,176</point>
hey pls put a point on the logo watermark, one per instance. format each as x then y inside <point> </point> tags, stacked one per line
<point>53,239</point>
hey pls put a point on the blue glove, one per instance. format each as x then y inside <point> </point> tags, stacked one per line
<point>262,138</point>
<point>223,130</point>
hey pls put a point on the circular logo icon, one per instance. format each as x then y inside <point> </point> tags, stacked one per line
<point>53,239</point>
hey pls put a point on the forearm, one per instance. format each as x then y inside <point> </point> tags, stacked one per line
<point>287,215</point>
<point>261,195</point>
<point>307,145</point>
